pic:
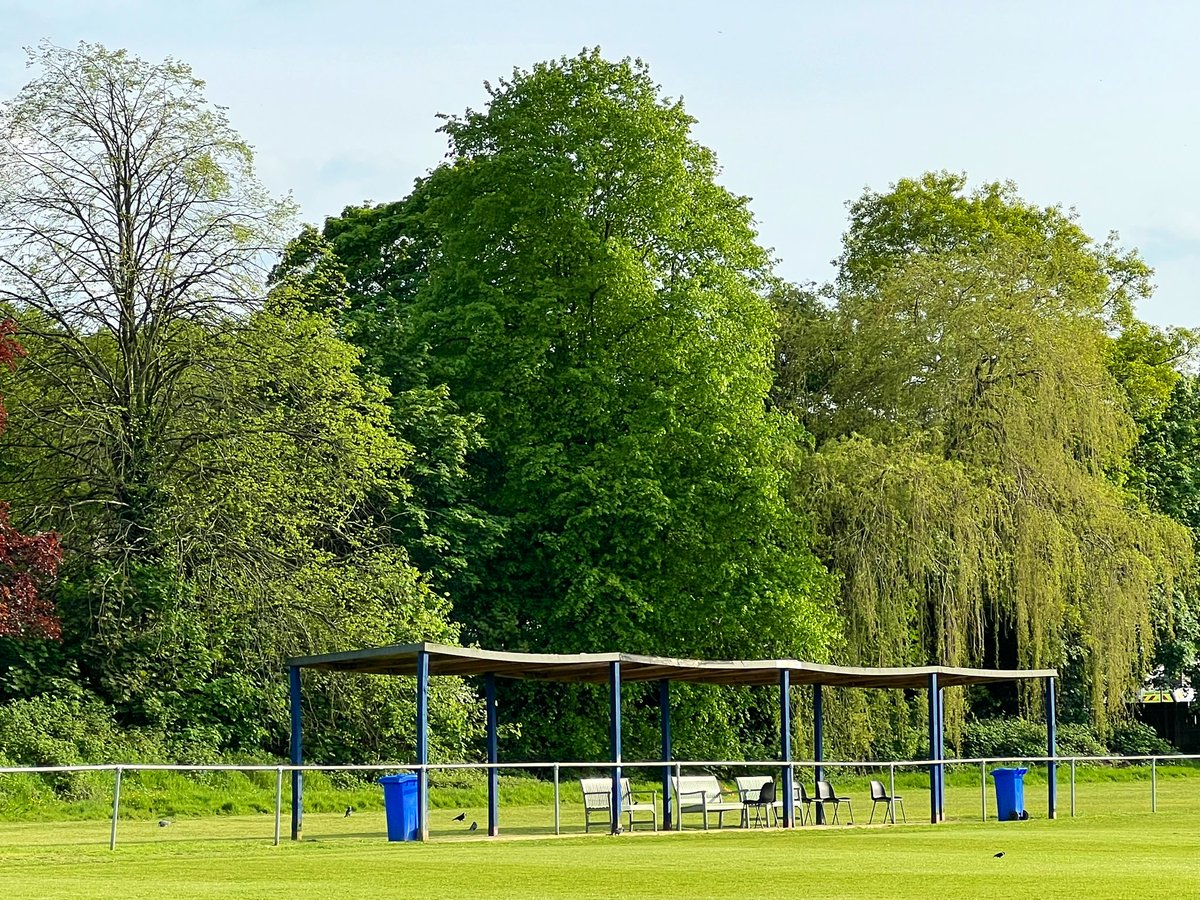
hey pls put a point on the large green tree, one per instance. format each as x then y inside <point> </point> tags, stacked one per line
<point>578,279</point>
<point>223,477</point>
<point>975,440</point>
<point>131,224</point>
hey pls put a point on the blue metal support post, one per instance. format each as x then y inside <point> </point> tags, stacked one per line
<point>297,755</point>
<point>933,748</point>
<point>664,709</point>
<point>818,746</point>
<point>493,756</point>
<point>614,678</point>
<point>785,742</point>
<point>1051,748</point>
<point>941,754</point>
<point>423,743</point>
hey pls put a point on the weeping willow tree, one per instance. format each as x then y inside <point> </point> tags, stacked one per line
<point>974,444</point>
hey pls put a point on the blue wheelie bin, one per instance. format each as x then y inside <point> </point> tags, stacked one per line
<point>1010,794</point>
<point>400,802</point>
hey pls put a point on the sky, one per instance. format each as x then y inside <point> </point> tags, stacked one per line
<point>1091,105</point>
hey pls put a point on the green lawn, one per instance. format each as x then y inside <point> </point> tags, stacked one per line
<point>1114,848</point>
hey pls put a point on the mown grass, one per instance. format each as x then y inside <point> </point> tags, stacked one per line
<point>1114,848</point>
<point>1108,854</point>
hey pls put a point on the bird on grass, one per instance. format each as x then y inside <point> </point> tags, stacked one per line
<point>459,817</point>
<point>997,855</point>
<point>349,812</point>
<point>163,823</point>
<point>474,825</point>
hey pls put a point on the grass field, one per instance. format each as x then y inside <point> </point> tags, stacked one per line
<point>1114,848</point>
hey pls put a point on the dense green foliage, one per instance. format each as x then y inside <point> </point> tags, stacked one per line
<point>556,399</point>
<point>975,441</point>
<point>594,300</point>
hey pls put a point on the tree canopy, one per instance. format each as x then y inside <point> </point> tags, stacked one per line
<point>976,440</point>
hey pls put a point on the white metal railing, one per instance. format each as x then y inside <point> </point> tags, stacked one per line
<point>677,766</point>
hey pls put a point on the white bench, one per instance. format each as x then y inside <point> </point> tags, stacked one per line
<point>703,794</point>
<point>597,800</point>
<point>748,787</point>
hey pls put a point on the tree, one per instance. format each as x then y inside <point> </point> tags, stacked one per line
<point>131,225</point>
<point>25,560</point>
<point>969,486</point>
<point>579,281</point>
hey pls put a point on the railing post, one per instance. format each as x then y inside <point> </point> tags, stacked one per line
<point>892,789</point>
<point>112,837</point>
<point>1072,787</point>
<point>278,801</point>
<point>1153,785</point>
<point>983,791</point>
<point>557,823</point>
<point>678,801</point>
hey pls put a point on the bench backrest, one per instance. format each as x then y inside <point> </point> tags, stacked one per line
<point>748,786</point>
<point>689,787</point>
<point>597,792</point>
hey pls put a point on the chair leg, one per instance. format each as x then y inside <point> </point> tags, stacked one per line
<point>850,807</point>
<point>875,803</point>
<point>903,817</point>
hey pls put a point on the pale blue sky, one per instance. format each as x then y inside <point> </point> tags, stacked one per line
<point>1091,104</point>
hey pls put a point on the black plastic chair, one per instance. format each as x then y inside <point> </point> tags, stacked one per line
<point>879,795</point>
<point>763,806</point>
<point>826,794</point>
<point>801,799</point>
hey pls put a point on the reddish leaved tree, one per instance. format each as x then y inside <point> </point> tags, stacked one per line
<point>25,559</point>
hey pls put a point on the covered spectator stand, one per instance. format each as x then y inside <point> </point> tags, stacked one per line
<point>426,660</point>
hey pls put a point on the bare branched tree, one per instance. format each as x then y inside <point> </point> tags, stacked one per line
<point>133,232</point>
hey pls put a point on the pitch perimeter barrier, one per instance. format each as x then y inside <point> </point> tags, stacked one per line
<point>555,771</point>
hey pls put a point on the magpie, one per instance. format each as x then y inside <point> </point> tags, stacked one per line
<point>349,812</point>
<point>997,855</point>
<point>459,817</point>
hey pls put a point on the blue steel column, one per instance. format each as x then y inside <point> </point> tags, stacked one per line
<point>493,756</point>
<point>933,747</point>
<point>818,746</point>
<point>297,755</point>
<point>614,679</point>
<point>1051,751</point>
<point>785,742</point>
<point>664,709</point>
<point>941,754</point>
<point>423,743</point>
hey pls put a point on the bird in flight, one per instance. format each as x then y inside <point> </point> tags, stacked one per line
<point>474,825</point>
<point>459,817</point>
